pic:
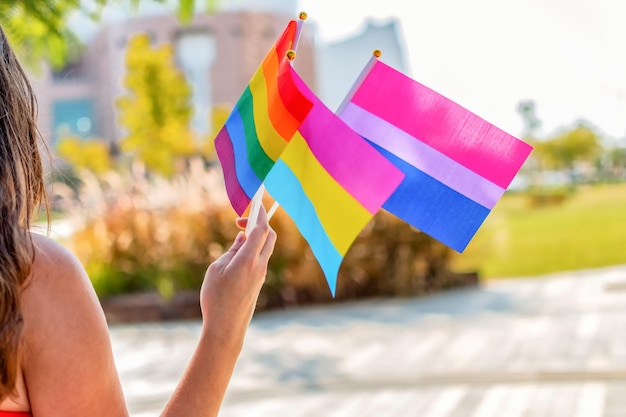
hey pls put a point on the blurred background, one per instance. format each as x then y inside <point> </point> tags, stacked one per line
<point>131,95</point>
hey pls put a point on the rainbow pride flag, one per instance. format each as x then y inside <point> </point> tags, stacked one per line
<point>268,113</point>
<point>457,165</point>
<point>330,181</point>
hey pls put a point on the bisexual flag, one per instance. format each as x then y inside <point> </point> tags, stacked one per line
<point>456,165</point>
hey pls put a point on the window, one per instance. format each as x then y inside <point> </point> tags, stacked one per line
<point>196,52</point>
<point>73,117</point>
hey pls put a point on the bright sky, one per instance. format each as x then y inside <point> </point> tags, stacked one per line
<point>488,55</point>
<point>566,55</point>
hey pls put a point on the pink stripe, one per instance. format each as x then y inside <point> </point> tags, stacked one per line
<point>359,168</point>
<point>423,157</point>
<point>442,124</point>
<point>224,148</point>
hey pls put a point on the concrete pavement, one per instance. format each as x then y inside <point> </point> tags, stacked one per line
<point>550,346</point>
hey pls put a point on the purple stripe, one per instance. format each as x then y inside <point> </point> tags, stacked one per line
<point>225,152</point>
<point>422,156</point>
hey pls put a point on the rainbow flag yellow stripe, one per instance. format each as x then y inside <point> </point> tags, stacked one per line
<point>266,116</point>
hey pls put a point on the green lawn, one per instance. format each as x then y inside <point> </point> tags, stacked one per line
<point>588,230</point>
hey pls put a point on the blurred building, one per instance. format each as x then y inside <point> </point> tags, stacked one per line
<point>340,63</point>
<point>219,54</point>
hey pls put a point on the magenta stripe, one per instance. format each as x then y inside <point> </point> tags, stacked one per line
<point>224,147</point>
<point>442,124</point>
<point>357,166</point>
<point>423,157</point>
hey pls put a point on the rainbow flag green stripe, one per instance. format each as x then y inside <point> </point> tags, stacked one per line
<point>269,112</point>
<point>257,157</point>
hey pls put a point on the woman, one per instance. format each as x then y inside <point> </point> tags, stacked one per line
<point>55,352</point>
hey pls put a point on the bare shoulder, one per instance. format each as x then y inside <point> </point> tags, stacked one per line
<point>57,280</point>
<point>54,258</point>
<point>50,250</point>
<point>66,338</point>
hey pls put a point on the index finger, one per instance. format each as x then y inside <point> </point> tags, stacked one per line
<point>258,234</point>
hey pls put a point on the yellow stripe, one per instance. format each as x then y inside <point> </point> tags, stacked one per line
<point>341,215</point>
<point>272,143</point>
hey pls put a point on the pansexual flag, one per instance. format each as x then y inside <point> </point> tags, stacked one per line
<point>331,182</point>
<point>267,115</point>
<point>457,165</point>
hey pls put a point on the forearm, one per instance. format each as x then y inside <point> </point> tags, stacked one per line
<point>228,297</point>
<point>202,388</point>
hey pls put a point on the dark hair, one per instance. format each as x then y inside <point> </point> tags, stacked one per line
<point>22,193</point>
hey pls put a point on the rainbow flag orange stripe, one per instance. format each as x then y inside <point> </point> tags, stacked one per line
<point>267,115</point>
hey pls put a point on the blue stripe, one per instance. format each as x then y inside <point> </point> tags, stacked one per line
<point>285,187</point>
<point>433,207</point>
<point>249,181</point>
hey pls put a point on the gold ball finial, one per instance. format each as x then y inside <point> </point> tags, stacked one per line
<point>291,54</point>
<point>303,15</point>
<point>377,53</point>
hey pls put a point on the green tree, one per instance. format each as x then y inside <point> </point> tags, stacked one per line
<point>618,157</point>
<point>37,28</point>
<point>156,111</point>
<point>581,144</point>
<point>615,163</point>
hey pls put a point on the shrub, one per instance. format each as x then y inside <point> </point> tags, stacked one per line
<point>388,258</point>
<point>138,233</point>
<point>548,196</point>
<point>157,234</point>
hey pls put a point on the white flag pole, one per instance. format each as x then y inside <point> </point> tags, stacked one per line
<point>255,207</point>
<point>272,210</point>
<point>301,18</point>
<point>366,70</point>
<point>257,200</point>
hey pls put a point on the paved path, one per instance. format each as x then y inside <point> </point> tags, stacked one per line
<point>554,346</point>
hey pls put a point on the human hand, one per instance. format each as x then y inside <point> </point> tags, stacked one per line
<point>233,282</point>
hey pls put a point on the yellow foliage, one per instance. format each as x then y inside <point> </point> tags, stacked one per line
<point>156,111</point>
<point>219,115</point>
<point>92,155</point>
